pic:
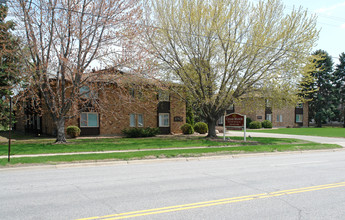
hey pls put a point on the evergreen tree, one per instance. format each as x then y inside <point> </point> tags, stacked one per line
<point>189,114</point>
<point>324,102</point>
<point>340,84</point>
<point>8,63</point>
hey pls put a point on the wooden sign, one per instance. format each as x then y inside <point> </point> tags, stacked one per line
<point>234,120</point>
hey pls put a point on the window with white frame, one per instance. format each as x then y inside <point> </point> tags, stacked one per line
<point>132,120</point>
<point>299,118</point>
<point>136,120</point>
<point>140,121</point>
<point>164,120</point>
<point>163,96</point>
<point>268,103</point>
<point>89,119</point>
<point>85,92</point>
<point>279,118</point>
<point>269,117</point>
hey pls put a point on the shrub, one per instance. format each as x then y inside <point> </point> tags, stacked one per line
<point>255,125</point>
<point>187,129</point>
<point>140,132</point>
<point>248,121</point>
<point>266,124</point>
<point>73,131</point>
<point>201,127</point>
<point>150,132</point>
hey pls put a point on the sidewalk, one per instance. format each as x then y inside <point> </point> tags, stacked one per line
<point>323,140</point>
<point>114,151</point>
<point>317,139</point>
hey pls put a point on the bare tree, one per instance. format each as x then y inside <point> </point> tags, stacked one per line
<point>222,50</point>
<point>66,39</point>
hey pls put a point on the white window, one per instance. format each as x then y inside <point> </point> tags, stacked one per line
<point>140,120</point>
<point>164,120</point>
<point>89,119</point>
<point>85,92</point>
<point>268,103</point>
<point>163,96</point>
<point>269,117</point>
<point>279,118</point>
<point>299,118</point>
<point>136,120</point>
<point>132,120</point>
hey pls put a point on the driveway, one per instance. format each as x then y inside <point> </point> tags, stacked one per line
<point>322,140</point>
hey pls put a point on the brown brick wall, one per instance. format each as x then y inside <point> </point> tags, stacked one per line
<point>177,109</point>
<point>255,108</point>
<point>116,113</point>
<point>288,116</point>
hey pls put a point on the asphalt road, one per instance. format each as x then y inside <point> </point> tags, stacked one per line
<point>283,186</point>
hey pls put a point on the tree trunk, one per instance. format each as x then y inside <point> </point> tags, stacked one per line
<point>211,128</point>
<point>319,123</point>
<point>60,127</point>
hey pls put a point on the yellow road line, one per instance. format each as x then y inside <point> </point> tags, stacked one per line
<point>214,202</point>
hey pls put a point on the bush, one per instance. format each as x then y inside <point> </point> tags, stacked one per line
<point>266,124</point>
<point>187,129</point>
<point>73,131</point>
<point>201,128</point>
<point>255,125</point>
<point>140,132</point>
<point>248,121</point>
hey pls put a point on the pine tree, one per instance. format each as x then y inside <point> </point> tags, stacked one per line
<point>340,83</point>
<point>8,63</point>
<point>324,102</point>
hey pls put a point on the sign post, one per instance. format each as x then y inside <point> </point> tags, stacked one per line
<point>235,120</point>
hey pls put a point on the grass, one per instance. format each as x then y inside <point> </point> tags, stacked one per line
<point>169,153</point>
<point>43,145</point>
<point>322,132</point>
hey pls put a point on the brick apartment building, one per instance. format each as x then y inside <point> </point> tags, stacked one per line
<point>124,105</point>
<point>286,116</point>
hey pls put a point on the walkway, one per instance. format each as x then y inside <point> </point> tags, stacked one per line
<point>322,140</point>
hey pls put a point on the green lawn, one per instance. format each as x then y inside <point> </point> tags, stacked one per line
<point>322,132</point>
<point>39,146</point>
<point>170,153</point>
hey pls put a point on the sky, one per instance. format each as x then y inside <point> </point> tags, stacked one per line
<point>330,22</point>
